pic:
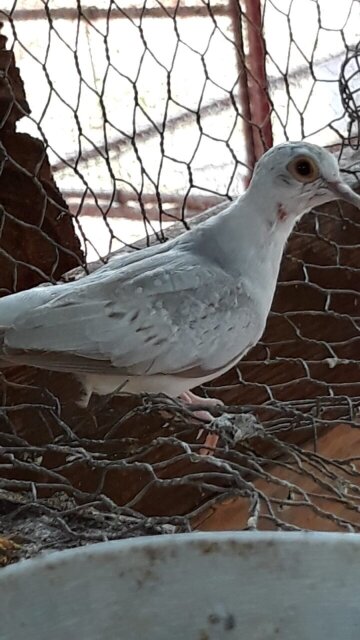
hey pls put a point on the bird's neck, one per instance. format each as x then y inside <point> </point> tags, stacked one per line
<point>271,216</point>
<point>265,226</point>
<point>253,229</point>
<point>247,240</point>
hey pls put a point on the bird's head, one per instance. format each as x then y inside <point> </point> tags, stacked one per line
<point>300,176</point>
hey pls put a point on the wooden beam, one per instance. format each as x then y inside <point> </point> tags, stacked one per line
<point>332,499</point>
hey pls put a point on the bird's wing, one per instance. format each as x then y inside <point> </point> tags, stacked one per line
<point>171,313</point>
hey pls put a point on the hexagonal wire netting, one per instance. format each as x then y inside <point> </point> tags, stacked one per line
<point>149,114</point>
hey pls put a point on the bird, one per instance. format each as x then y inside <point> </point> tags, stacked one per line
<point>171,317</point>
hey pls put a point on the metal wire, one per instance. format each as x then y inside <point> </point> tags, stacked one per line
<point>147,115</point>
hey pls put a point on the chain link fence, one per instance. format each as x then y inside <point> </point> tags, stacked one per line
<point>118,125</point>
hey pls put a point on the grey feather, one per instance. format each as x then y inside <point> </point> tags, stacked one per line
<point>137,324</point>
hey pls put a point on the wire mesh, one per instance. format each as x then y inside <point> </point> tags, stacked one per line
<point>136,118</point>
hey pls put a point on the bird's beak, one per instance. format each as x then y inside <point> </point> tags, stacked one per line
<point>342,191</point>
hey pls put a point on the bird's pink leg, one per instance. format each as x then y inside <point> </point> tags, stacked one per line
<point>211,440</point>
<point>191,398</point>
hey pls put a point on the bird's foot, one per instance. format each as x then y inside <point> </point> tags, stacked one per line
<point>188,397</point>
<point>211,439</point>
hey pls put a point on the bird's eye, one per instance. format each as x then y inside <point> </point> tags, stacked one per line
<point>304,169</point>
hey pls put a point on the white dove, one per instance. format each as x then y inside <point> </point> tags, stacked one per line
<point>174,316</point>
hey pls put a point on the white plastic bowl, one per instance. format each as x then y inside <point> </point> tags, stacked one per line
<point>251,586</point>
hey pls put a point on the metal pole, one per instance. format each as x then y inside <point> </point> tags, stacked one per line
<point>244,97</point>
<point>260,104</point>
